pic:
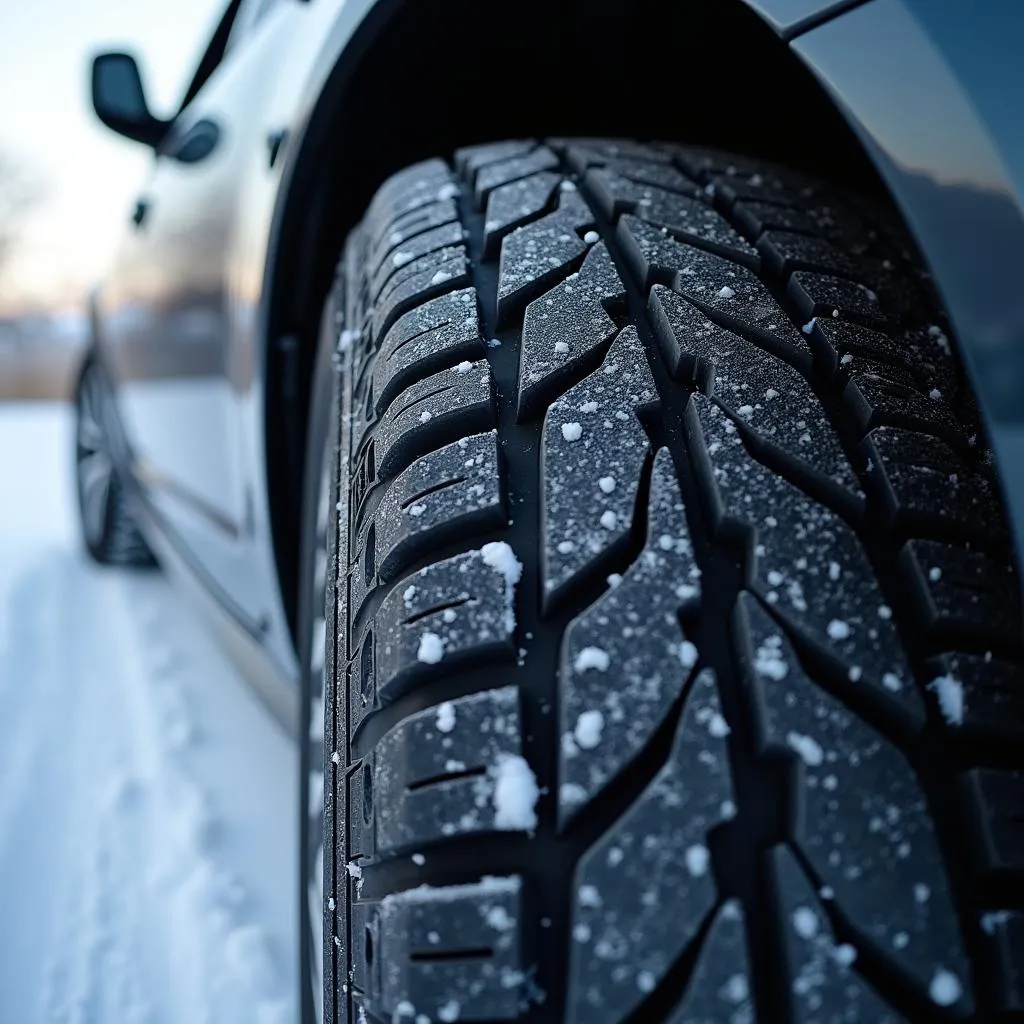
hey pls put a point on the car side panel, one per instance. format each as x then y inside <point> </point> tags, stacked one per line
<point>935,91</point>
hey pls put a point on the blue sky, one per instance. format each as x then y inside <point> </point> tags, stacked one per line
<point>88,177</point>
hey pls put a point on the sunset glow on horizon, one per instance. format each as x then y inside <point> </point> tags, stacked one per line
<point>86,178</point>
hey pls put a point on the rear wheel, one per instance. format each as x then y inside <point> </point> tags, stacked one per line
<point>676,669</point>
<point>109,530</point>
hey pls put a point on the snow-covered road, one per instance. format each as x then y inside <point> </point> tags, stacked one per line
<point>147,800</point>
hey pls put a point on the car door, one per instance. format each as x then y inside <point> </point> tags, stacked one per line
<point>171,309</point>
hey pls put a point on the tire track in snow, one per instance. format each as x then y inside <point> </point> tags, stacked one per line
<point>147,802</point>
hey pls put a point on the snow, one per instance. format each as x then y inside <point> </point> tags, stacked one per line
<point>445,721</point>
<point>808,748</point>
<point>589,726</point>
<point>515,794</point>
<point>697,859</point>
<point>945,988</point>
<point>591,238</point>
<point>838,630</point>
<point>431,649</point>
<point>592,657</point>
<point>147,799</point>
<point>725,292</point>
<point>805,922</point>
<point>401,258</point>
<point>949,692</point>
<point>608,519</point>
<point>500,556</point>
<point>572,431</point>
<point>607,484</point>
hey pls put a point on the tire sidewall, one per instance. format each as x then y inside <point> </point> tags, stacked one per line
<point>322,428</point>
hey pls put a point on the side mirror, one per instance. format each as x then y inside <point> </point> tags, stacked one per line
<point>120,100</point>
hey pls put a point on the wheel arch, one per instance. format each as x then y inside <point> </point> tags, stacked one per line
<point>416,80</point>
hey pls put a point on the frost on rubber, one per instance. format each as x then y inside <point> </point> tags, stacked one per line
<point>678,674</point>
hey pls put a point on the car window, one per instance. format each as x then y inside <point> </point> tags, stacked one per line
<point>213,54</point>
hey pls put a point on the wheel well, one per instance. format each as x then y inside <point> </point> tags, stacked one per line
<point>421,79</point>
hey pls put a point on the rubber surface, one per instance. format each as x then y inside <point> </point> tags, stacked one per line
<point>678,660</point>
<point>119,541</point>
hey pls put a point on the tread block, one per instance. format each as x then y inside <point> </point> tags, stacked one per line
<point>766,396</point>
<point>834,223</point>
<point>825,985</point>
<point>419,935</point>
<point>511,205</point>
<point>728,293</point>
<point>646,886</point>
<point>810,567</point>
<point>438,498</point>
<point>604,150</point>
<point>823,295</point>
<point>501,172</point>
<point>565,327</point>
<point>992,692</point>
<point>998,797</point>
<point>534,256</point>
<point>437,334</point>
<point>927,488</point>
<point>431,275</point>
<point>786,251</point>
<point>639,171</point>
<point>470,159</point>
<point>879,395</point>
<point>608,714</point>
<point>464,606</point>
<point>588,503</point>
<point>405,256</point>
<point>435,774</point>
<point>862,820</point>
<point>720,987</point>
<point>688,219</point>
<point>683,331</point>
<point>433,412</point>
<point>964,593</point>
<point>408,226</point>
<point>411,189</point>
<point>1005,942</point>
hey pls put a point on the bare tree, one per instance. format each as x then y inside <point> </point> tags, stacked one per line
<point>19,192</point>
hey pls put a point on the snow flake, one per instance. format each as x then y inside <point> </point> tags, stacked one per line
<point>431,649</point>
<point>607,484</point>
<point>588,729</point>
<point>725,292</point>
<point>805,922</point>
<point>697,859</point>
<point>945,988</point>
<point>401,258</point>
<point>445,720</point>
<point>807,747</point>
<point>572,431</point>
<point>608,519</point>
<point>592,657</point>
<point>515,794</point>
<point>949,692</point>
<point>838,630</point>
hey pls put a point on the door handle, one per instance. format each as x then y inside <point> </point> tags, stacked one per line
<point>140,212</point>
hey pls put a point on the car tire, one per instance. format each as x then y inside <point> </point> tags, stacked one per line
<point>110,533</point>
<point>676,662</point>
